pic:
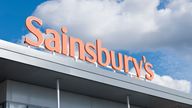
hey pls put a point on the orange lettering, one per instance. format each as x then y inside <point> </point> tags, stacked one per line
<point>55,40</point>
<point>101,50</point>
<point>147,68</point>
<point>34,31</point>
<point>113,61</point>
<point>64,41</point>
<point>126,63</point>
<point>89,48</point>
<point>80,43</point>
<point>86,52</point>
<point>137,66</point>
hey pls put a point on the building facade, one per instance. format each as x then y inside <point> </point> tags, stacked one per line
<point>32,78</point>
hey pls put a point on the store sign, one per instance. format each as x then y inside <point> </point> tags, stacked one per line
<point>89,52</point>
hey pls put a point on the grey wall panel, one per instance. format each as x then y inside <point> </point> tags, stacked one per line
<point>34,95</point>
<point>106,104</point>
<point>40,96</point>
<point>2,92</point>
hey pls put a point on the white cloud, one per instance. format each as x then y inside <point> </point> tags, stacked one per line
<point>103,19</point>
<point>168,81</point>
<point>134,23</point>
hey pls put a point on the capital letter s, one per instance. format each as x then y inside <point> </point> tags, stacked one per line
<point>34,31</point>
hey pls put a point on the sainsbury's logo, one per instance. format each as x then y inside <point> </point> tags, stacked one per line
<point>89,52</point>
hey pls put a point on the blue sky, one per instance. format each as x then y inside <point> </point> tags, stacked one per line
<point>13,15</point>
<point>165,61</point>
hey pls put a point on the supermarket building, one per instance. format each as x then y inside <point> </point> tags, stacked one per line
<point>32,78</point>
